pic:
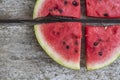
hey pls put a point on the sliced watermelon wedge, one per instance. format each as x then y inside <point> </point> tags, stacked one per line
<point>102,45</point>
<point>57,7</point>
<point>103,8</point>
<point>61,41</point>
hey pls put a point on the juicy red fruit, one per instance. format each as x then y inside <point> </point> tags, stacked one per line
<point>101,43</point>
<point>103,8</point>
<point>64,38</point>
<point>61,8</point>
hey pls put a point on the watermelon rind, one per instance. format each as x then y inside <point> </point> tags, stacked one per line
<point>48,49</point>
<point>38,6</point>
<point>107,62</point>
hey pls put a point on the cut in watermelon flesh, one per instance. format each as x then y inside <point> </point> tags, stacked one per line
<point>102,45</point>
<point>61,41</point>
<point>103,8</point>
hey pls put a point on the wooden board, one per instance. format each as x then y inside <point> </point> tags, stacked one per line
<point>21,58</point>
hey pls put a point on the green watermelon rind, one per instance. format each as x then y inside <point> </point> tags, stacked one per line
<point>47,48</point>
<point>110,61</point>
<point>37,4</point>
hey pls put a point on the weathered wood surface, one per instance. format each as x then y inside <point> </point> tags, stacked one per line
<point>21,58</point>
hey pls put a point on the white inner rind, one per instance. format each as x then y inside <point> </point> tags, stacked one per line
<point>112,58</point>
<point>49,50</point>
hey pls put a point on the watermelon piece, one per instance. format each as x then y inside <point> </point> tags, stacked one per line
<point>103,8</point>
<point>57,7</point>
<point>61,41</point>
<point>102,46</point>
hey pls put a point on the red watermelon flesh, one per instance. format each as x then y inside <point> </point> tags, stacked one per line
<point>61,41</point>
<point>103,8</point>
<point>102,45</point>
<point>59,8</point>
<point>64,38</point>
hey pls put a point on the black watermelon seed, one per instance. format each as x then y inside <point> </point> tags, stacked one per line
<point>100,53</point>
<point>106,14</point>
<point>76,43</point>
<point>64,42</point>
<point>75,3</point>
<point>56,7</point>
<point>60,10</point>
<point>65,2</point>
<point>76,51</point>
<point>67,47</point>
<point>95,43</point>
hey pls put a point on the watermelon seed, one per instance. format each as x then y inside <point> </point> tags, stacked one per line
<point>65,2</point>
<point>75,3</point>
<point>64,42</point>
<point>100,53</point>
<point>76,43</point>
<point>60,10</point>
<point>114,30</point>
<point>76,51</point>
<point>105,14</point>
<point>55,33</point>
<point>106,28</point>
<point>75,37</point>
<point>67,47</point>
<point>88,4</point>
<point>49,14</point>
<point>56,7</point>
<point>95,43</point>
<point>99,40</point>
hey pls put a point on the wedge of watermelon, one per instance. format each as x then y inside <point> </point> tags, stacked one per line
<point>57,7</point>
<point>61,41</point>
<point>103,8</point>
<point>102,45</point>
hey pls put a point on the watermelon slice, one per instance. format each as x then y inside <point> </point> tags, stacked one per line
<point>61,41</point>
<point>103,8</point>
<point>58,8</point>
<point>102,45</point>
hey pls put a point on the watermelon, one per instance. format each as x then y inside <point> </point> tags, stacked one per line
<point>58,8</point>
<point>103,8</point>
<point>102,45</point>
<point>61,41</point>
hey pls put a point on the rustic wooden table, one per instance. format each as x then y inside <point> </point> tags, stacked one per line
<point>21,58</point>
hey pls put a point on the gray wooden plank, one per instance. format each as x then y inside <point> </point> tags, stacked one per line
<point>21,57</point>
